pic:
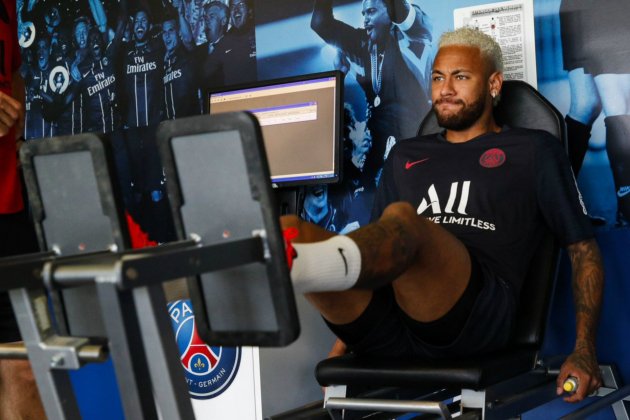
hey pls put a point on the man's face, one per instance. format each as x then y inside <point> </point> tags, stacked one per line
<point>460,87</point>
<point>316,198</point>
<point>375,19</point>
<point>81,35</point>
<point>43,53</point>
<point>216,22</point>
<point>239,12</point>
<point>169,35</point>
<point>95,45</point>
<point>361,143</point>
<point>141,26</point>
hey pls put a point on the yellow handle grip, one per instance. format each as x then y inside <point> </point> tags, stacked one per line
<point>570,384</point>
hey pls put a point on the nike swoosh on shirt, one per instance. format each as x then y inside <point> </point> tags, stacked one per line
<point>345,263</point>
<point>623,191</point>
<point>410,165</point>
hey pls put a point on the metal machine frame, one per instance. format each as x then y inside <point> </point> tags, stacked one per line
<point>128,286</point>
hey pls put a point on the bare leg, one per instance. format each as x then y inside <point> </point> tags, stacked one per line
<point>428,267</point>
<point>19,398</point>
<point>336,307</point>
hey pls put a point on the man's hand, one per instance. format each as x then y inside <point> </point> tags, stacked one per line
<point>582,365</point>
<point>11,112</point>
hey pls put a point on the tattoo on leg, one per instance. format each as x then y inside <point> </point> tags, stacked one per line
<point>388,248</point>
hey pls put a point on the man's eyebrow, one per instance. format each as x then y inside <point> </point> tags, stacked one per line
<point>456,71</point>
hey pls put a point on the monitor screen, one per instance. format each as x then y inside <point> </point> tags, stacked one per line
<point>300,119</point>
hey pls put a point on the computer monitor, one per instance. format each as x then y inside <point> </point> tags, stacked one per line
<point>301,120</point>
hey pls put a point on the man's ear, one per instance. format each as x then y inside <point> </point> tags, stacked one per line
<point>495,81</point>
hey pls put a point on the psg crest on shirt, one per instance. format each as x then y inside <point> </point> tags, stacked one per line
<point>209,370</point>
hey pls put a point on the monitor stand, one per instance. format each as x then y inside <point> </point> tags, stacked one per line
<point>287,200</point>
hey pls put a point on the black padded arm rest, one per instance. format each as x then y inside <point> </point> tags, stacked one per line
<point>473,373</point>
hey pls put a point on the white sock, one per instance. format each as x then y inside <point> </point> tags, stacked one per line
<point>330,265</point>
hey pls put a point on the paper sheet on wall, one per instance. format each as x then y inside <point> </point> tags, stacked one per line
<point>511,24</point>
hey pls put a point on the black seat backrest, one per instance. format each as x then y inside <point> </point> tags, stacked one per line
<point>523,106</point>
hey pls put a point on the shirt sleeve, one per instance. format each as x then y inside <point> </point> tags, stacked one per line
<point>559,197</point>
<point>417,25</point>
<point>414,40</point>
<point>386,192</point>
<point>351,41</point>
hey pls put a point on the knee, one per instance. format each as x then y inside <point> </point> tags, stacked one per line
<point>290,221</point>
<point>585,109</point>
<point>400,211</point>
<point>306,231</point>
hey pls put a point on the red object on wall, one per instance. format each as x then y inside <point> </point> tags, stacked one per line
<point>139,238</point>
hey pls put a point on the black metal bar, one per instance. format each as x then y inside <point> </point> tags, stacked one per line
<point>600,403</point>
<point>125,345</point>
<point>155,265</point>
<point>23,271</point>
<point>151,268</point>
<point>522,401</point>
<point>80,270</point>
<point>164,247</point>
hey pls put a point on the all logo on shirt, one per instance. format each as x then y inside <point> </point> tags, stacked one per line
<point>455,209</point>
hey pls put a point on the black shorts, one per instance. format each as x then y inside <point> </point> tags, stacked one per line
<point>595,35</point>
<point>16,237</point>
<point>480,322</point>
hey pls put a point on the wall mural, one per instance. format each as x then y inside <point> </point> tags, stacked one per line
<point>121,66</point>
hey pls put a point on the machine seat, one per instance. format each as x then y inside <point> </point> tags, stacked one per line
<point>470,373</point>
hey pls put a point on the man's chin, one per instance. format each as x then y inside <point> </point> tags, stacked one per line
<point>239,23</point>
<point>452,123</point>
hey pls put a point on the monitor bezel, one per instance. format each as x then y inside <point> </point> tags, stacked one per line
<point>338,133</point>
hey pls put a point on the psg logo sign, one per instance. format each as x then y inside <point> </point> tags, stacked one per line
<point>209,370</point>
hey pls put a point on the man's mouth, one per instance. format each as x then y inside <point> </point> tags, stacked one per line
<point>449,103</point>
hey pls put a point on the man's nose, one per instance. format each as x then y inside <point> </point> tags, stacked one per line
<point>446,87</point>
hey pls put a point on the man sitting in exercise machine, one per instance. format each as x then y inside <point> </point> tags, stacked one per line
<point>456,220</point>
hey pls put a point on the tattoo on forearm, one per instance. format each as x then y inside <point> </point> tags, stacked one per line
<point>588,282</point>
<point>584,362</point>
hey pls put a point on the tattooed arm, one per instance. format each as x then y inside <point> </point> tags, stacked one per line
<point>588,285</point>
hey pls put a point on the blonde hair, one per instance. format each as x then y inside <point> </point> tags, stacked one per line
<point>472,37</point>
